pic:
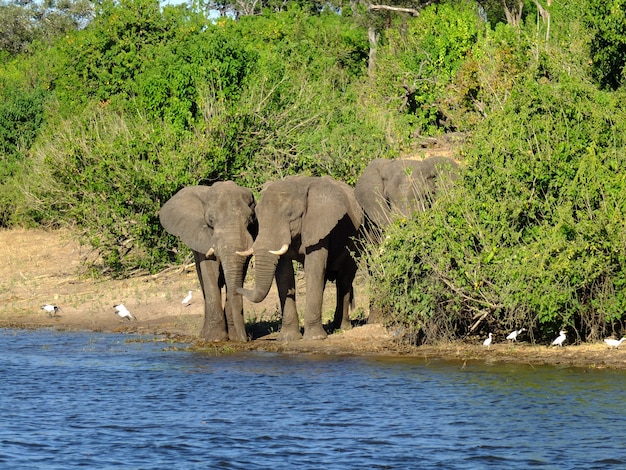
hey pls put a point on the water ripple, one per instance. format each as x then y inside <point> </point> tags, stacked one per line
<point>101,401</point>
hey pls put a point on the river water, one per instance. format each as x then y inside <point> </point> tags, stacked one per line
<point>107,401</point>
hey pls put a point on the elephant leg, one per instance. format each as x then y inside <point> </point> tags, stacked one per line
<point>233,309</point>
<point>214,327</point>
<point>375,315</point>
<point>228,316</point>
<point>227,310</point>
<point>286,283</point>
<point>315,278</point>
<point>345,295</point>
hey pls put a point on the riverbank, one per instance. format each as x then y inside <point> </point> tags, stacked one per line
<point>40,267</point>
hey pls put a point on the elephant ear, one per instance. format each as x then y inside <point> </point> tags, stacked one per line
<point>355,211</point>
<point>327,204</point>
<point>370,193</point>
<point>183,216</point>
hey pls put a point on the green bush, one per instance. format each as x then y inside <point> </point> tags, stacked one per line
<point>607,21</point>
<point>21,116</point>
<point>108,175</point>
<point>419,59</point>
<point>533,235</point>
<point>301,103</point>
<point>101,62</point>
<point>486,78</point>
<point>169,86</point>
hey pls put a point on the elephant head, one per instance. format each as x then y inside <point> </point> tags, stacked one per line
<point>400,187</point>
<point>216,222</point>
<point>309,219</point>
<point>389,188</point>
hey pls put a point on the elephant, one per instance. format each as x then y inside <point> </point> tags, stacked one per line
<point>388,188</point>
<point>391,188</point>
<point>311,220</point>
<point>215,222</point>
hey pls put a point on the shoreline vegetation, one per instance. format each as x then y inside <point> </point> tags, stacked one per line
<point>43,267</point>
<point>108,109</point>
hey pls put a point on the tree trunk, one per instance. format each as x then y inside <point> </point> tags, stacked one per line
<point>373,36</point>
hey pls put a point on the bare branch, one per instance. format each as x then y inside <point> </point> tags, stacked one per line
<point>411,11</point>
<point>513,14</point>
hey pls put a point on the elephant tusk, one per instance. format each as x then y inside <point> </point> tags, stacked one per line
<point>248,252</point>
<point>282,251</point>
<point>210,253</point>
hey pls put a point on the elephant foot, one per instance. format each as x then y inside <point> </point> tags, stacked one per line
<point>346,325</point>
<point>375,316</point>
<point>236,337</point>
<point>341,324</point>
<point>315,332</point>
<point>214,336</point>
<point>289,335</point>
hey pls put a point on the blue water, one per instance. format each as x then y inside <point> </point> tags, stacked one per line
<point>104,401</point>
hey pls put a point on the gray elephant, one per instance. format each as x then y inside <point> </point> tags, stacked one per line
<point>389,188</point>
<point>311,220</point>
<point>392,188</point>
<point>215,222</point>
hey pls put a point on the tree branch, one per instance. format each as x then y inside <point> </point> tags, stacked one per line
<point>411,11</point>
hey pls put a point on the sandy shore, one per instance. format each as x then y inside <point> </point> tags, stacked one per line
<point>44,267</point>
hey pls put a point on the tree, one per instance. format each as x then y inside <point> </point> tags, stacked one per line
<point>379,16</point>
<point>26,21</point>
<point>238,8</point>
<point>607,20</point>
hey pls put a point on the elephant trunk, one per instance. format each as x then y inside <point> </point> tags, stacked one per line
<point>264,270</point>
<point>233,239</point>
<point>233,267</point>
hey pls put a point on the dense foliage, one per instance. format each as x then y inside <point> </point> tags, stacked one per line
<point>607,20</point>
<point>106,112</point>
<point>534,235</point>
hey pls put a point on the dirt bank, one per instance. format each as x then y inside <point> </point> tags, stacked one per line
<point>45,267</point>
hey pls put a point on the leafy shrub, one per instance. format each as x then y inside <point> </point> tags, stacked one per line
<point>21,116</point>
<point>169,86</point>
<point>607,21</point>
<point>486,78</point>
<point>533,235</point>
<point>301,101</point>
<point>108,175</point>
<point>101,62</point>
<point>420,59</point>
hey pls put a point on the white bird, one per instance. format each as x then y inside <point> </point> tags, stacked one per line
<point>613,343</point>
<point>52,310</point>
<point>487,342</point>
<point>559,340</point>
<point>123,312</point>
<point>187,300</point>
<point>513,334</point>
